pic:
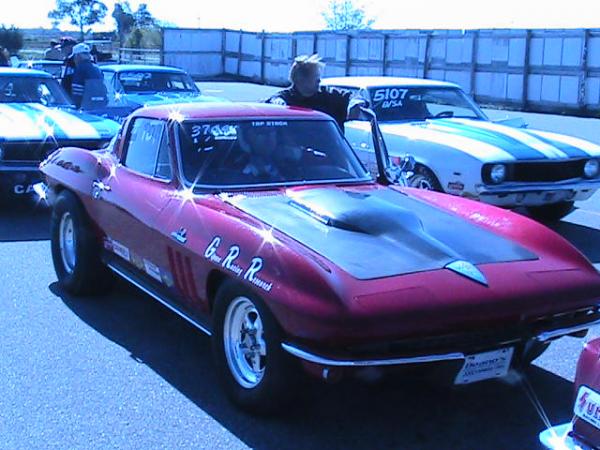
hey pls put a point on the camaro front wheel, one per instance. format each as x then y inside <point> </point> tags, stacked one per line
<point>75,249</point>
<point>423,178</point>
<point>257,374</point>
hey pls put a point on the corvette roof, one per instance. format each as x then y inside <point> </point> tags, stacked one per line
<point>224,110</point>
<point>367,82</point>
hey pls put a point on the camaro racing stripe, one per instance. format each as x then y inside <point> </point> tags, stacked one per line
<point>73,126</point>
<point>467,144</point>
<point>526,138</point>
<point>568,143</point>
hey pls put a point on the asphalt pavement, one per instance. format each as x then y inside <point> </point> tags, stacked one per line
<point>121,371</point>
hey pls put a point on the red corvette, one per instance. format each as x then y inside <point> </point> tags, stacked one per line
<point>259,225</point>
<point>583,432</point>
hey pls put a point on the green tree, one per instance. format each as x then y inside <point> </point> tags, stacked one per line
<point>143,17</point>
<point>11,39</point>
<point>81,13</point>
<point>342,15</point>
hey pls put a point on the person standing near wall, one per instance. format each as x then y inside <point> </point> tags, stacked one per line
<point>306,92</point>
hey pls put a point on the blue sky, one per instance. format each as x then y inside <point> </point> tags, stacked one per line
<point>286,15</point>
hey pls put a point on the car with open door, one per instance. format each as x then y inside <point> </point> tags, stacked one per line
<point>259,225</point>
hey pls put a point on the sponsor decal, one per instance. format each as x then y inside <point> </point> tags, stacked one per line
<point>153,270</point>
<point>270,123</point>
<point>456,186</point>
<point>587,406</point>
<point>228,262</point>
<point>120,250</point>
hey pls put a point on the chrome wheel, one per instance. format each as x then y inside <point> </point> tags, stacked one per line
<point>67,242</point>
<point>424,183</point>
<point>245,347</point>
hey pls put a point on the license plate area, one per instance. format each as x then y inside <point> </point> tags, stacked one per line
<point>484,366</point>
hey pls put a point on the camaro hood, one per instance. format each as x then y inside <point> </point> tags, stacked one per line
<point>489,141</point>
<point>380,232</point>
<point>167,98</point>
<point>34,122</point>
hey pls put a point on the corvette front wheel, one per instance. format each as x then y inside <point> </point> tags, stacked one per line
<point>75,249</point>
<point>257,374</point>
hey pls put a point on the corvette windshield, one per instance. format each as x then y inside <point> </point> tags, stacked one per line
<point>21,89</point>
<point>133,82</point>
<point>259,152</point>
<point>397,103</point>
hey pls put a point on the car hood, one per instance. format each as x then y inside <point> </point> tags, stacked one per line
<point>378,232</point>
<point>489,142</point>
<point>33,122</point>
<point>165,98</point>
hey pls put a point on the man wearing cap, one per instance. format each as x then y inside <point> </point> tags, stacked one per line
<point>85,71</point>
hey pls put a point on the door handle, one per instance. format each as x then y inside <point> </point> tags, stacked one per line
<point>98,187</point>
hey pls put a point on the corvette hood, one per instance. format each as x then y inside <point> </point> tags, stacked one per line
<point>378,233</point>
<point>34,122</point>
<point>490,142</point>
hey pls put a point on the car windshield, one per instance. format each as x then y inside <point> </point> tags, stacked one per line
<point>132,82</point>
<point>22,89</point>
<point>397,103</point>
<point>239,153</point>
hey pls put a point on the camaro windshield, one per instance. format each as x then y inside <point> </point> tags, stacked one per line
<point>20,89</point>
<point>133,82</point>
<point>257,152</point>
<point>397,103</point>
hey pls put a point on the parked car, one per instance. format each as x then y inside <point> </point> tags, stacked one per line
<point>259,225</point>
<point>54,68</point>
<point>131,86</point>
<point>36,118</point>
<point>583,432</point>
<point>459,151</point>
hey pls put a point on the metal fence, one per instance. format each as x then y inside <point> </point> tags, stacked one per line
<point>532,70</point>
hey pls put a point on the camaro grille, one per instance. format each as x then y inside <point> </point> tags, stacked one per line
<point>35,152</point>
<point>545,171</point>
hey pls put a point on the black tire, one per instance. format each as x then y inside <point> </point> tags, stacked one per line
<point>530,351</point>
<point>423,178</point>
<point>87,275</point>
<point>281,375</point>
<point>551,212</point>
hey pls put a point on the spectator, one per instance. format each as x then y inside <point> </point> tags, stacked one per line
<point>306,92</point>
<point>85,73</point>
<point>54,52</point>
<point>4,58</point>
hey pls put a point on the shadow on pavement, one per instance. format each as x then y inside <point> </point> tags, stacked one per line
<point>401,412</point>
<point>24,220</point>
<point>586,239</point>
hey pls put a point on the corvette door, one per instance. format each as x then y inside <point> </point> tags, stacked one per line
<point>128,200</point>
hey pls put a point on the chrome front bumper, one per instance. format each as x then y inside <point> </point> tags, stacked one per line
<point>316,358</point>
<point>536,194</point>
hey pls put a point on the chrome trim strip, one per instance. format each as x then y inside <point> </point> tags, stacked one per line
<point>548,335</point>
<point>313,358</point>
<point>159,299</point>
<point>567,185</point>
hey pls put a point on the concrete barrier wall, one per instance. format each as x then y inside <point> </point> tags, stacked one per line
<point>531,70</point>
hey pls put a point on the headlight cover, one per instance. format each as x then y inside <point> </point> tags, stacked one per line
<point>591,168</point>
<point>498,173</point>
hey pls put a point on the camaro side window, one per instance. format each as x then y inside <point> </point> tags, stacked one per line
<point>143,147</point>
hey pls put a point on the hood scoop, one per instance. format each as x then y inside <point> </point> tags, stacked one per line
<point>369,215</point>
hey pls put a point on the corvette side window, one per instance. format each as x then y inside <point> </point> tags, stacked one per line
<point>163,164</point>
<point>142,152</point>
